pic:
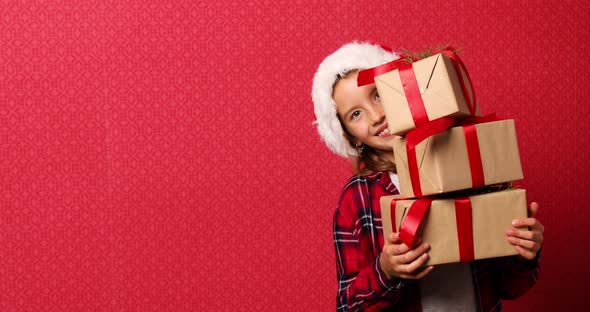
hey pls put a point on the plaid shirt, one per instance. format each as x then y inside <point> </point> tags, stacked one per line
<point>362,285</point>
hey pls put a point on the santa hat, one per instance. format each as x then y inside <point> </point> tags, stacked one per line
<point>350,57</point>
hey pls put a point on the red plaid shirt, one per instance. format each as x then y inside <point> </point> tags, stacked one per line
<point>362,285</point>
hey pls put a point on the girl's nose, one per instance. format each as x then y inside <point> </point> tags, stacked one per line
<point>376,113</point>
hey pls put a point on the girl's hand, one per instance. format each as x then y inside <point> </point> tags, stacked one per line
<point>527,241</point>
<point>399,260</point>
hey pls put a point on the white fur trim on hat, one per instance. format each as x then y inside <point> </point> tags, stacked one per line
<point>351,56</point>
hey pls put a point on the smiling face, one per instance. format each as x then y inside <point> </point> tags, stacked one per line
<point>361,111</point>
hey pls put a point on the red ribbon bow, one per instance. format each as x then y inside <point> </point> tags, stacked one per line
<point>411,223</point>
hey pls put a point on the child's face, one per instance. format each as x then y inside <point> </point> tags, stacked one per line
<point>362,113</point>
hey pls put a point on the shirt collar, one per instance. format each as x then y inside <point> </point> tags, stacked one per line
<point>383,177</point>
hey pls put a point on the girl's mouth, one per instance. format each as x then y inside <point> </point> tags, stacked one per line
<point>384,133</point>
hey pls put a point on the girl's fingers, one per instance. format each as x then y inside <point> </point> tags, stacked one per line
<point>534,235</point>
<point>526,253</point>
<point>539,227</point>
<point>410,269</point>
<point>529,244</point>
<point>414,253</point>
<point>533,209</point>
<point>419,274</point>
<point>528,222</point>
<point>393,238</point>
<point>531,223</point>
<point>524,234</point>
<point>399,249</point>
<point>424,272</point>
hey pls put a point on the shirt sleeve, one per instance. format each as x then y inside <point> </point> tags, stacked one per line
<point>362,285</point>
<point>516,275</point>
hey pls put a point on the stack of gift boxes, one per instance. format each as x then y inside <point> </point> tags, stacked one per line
<point>442,148</point>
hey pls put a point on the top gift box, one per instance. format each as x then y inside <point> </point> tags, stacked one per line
<point>414,93</point>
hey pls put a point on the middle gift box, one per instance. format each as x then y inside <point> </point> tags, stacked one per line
<point>459,158</point>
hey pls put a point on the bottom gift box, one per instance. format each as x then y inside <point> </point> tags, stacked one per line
<point>457,229</point>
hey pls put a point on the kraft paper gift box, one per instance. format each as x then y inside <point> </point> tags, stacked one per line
<point>453,238</point>
<point>444,162</point>
<point>439,87</point>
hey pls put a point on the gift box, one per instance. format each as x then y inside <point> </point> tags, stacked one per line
<point>428,89</point>
<point>457,229</point>
<point>458,158</point>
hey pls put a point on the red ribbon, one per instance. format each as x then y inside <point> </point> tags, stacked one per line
<point>413,138</point>
<point>367,76</point>
<point>463,215</point>
<point>413,96</point>
<point>412,221</point>
<point>464,229</point>
<point>458,64</point>
<point>416,136</point>
<point>477,176</point>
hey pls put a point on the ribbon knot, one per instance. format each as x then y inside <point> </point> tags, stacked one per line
<point>413,220</point>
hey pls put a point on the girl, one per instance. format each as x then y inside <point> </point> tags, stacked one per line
<point>386,275</point>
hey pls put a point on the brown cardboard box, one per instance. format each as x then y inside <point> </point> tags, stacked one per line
<point>492,214</point>
<point>443,160</point>
<point>439,86</point>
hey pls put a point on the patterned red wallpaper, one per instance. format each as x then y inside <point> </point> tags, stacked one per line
<point>160,155</point>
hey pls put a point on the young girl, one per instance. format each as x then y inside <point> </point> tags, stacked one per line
<point>378,275</point>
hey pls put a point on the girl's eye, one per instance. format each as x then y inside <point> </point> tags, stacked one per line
<point>355,114</point>
<point>376,97</point>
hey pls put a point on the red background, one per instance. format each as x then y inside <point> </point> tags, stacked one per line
<point>161,157</point>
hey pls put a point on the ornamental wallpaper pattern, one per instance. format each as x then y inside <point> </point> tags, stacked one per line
<point>160,155</point>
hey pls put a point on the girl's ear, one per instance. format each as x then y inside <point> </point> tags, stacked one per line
<point>353,141</point>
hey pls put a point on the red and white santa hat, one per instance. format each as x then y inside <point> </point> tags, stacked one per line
<point>350,57</point>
